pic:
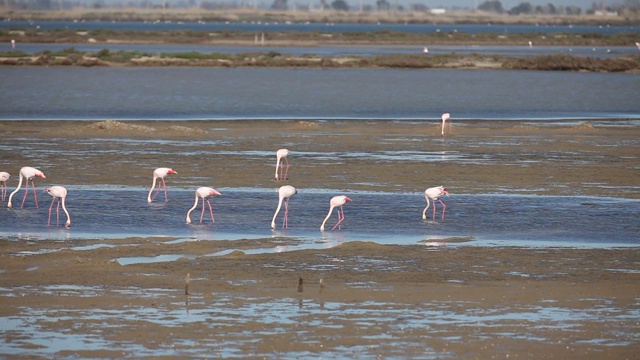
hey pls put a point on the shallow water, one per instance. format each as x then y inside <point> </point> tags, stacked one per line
<point>388,218</point>
<point>383,322</point>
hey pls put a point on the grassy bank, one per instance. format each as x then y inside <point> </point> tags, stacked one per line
<point>72,57</point>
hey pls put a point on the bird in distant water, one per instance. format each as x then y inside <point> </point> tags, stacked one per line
<point>434,193</point>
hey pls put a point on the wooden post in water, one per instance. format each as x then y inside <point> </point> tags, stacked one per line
<point>186,284</point>
<point>300,286</point>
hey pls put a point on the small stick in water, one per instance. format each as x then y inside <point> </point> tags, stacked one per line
<point>300,284</point>
<point>321,286</point>
<point>186,284</point>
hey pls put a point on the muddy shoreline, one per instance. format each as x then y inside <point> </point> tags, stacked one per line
<point>74,298</point>
<point>459,281</point>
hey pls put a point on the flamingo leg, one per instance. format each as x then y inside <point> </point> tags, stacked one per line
<point>340,218</point>
<point>50,208</point>
<point>285,221</point>
<point>157,190</point>
<point>210,210</point>
<point>163,184</point>
<point>444,208</point>
<point>434,209</point>
<point>286,170</point>
<point>26,192</point>
<point>35,194</point>
<point>58,213</point>
<point>202,214</point>
<point>4,190</point>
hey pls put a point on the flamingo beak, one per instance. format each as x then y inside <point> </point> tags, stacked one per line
<point>347,199</point>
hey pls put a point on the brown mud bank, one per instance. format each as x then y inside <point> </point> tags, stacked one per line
<point>358,299</point>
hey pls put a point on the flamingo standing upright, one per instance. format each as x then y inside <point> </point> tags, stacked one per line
<point>4,176</point>
<point>434,194</point>
<point>445,117</point>
<point>159,175</point>
<point>28,173</point>
<point>59,193</point>
<point>282,172</point>
<point>203,193</point>
<point>284,193</point>
<point>336,202</point>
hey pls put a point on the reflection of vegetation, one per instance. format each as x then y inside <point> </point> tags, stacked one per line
<point>105,57</point>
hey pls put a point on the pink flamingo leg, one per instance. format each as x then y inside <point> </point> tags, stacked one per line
<point>202,214</point>
<point>285,220</point>
<point>58,214</point>
<point>286,170</point>
<point>50,207</point>
<point>340,218</point>
<point>4,190</point>
<point>166,198</point>
<point>210,210</point>
<point>26,192</point>
<point>444,208</point>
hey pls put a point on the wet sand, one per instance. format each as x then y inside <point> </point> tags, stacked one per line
<point>453,301</point>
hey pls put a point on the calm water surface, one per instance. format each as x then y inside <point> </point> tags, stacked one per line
<point>212,93</point>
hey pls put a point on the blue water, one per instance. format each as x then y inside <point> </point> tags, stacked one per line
<point>321,27</point>
<point>368,94</point>
<point>488,219</point>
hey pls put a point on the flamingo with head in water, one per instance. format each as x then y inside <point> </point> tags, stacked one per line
<point>158,175</point>
<point>284,193</point>
<point>28,173</point>
<point>203,193</point>
<point>445,117</point>
<point>282,172</point>
<point>59,193</point>
<point>4,176</point>
<point>434,193</point>
<point>336,202</point>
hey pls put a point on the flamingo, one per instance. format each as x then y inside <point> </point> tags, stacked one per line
<point>203,193</point>
<point>59,193</point>
<point>284,193</point>
<point>434,194</point>
<point>336,202</point>
<point>4,176</point>
<point>281,158</point>
<point>445,117</point>
<point>28,173</point>
<point>159,175</point>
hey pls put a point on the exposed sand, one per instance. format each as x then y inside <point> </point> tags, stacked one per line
<point>455,301</point>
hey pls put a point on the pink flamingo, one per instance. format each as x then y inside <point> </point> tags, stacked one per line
<point>445,117</point>
<point>434,194</point>
<point>281,158</point>
<point>203,193</point>
<point>59,193</point>
<point>284,193</point>
<point>159,175</point>
<point>28,173</point>
<point>336,202</point>
<point>4,176</point>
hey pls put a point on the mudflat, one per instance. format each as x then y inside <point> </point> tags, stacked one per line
<point>78,298</point>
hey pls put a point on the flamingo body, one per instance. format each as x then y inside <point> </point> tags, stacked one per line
<point>444,117</point>
<point>4,176</point>
<point>282,171</point>
<point>27,173</point>
<point>284,193</point>
<point>59,193</point>
<point>434,193</point>
<point>158,175</point>
<point>336,202</point>
<point>203,193</point>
